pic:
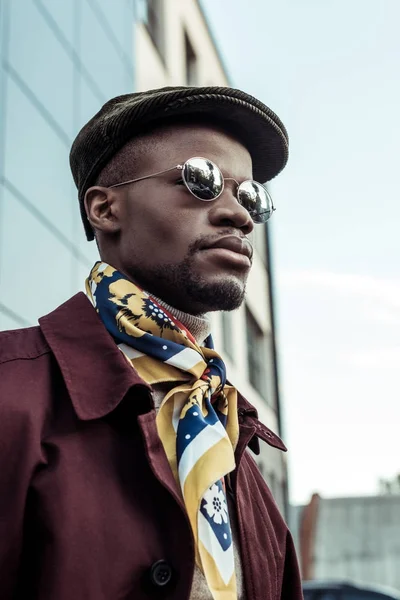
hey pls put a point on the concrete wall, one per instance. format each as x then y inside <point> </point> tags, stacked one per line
<point>353,538</point>
<point>359,538</point>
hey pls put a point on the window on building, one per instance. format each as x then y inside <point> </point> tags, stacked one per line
<point>260,360</point>
<point>190,62</point>
<point>258,238</point>
<point>256,355</point>
<point>152,14</point>
<point>227,334</point>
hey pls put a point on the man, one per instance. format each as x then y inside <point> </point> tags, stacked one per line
<point>125,471</point>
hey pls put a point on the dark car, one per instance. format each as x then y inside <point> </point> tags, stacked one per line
<point>338,590</point>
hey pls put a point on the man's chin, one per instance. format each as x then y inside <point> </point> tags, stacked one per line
<point>226,294</point>
<point>182,286</point>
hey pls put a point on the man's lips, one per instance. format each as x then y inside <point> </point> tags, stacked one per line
<point>233,243</point>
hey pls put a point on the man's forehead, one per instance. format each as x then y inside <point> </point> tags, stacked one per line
<point>180,141</point>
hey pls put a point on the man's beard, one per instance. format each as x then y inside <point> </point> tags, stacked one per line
<point>170,282</point>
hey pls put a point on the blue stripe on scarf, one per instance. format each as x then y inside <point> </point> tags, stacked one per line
<point>192,425</point>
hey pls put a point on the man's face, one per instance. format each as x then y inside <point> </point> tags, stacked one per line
<point>165,233</point>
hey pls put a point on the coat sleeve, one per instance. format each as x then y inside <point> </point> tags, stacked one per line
<point>291,582</point>
<point>19,452</point>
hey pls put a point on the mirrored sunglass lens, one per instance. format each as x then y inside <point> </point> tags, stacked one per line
<point>203,178</point>
<point>256,200</point>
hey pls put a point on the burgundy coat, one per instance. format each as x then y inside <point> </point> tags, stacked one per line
<point>89,508</point>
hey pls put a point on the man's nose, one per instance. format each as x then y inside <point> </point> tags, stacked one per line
<point>226,211</point>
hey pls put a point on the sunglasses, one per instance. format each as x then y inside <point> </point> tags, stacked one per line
<point>205,181</point>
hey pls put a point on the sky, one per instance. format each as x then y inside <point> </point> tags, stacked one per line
<point>330,70</point>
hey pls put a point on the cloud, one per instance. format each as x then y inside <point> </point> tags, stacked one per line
<point>367,334</point>
<point>383,358</point>
<point>347,283</point>
<point>380,296</point>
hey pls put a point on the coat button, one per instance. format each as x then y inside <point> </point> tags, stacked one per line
<point>160,573</point>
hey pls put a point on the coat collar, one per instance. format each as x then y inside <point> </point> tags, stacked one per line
<point>81,345</point>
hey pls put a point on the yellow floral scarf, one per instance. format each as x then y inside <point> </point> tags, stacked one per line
<point>197,421</point>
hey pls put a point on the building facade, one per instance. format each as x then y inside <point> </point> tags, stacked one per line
<point>350,539</point>
<point>60,62</point>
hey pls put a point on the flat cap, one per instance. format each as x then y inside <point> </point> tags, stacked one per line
<point>123,117</point>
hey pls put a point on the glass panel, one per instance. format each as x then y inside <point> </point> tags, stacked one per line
<point>4,29</point>
<point>41,62</point>
<point>120,22</point>
<point>101,58</point>
<point>7,321</point>
<point>88,104</point>
<point>3,37</point>
<point>48,100</point>
<point>87,249</point>
<point>37,161</point>
<point>35,267</point>
<point>80,274</point>
<point>63,15</point>
<point>90,252</point>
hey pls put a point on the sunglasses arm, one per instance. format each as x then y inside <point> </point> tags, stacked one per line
<point>180,167</point>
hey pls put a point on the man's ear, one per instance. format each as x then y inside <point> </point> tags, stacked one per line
<point>101,205</point>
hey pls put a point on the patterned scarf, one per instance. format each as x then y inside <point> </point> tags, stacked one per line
<point>197,420</point>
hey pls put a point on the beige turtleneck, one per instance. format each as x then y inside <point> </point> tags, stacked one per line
<point>199,327</point>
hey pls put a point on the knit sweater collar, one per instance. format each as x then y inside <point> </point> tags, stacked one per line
<point>198,325</point>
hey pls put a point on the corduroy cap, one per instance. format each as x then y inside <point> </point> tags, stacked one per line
<point>123,117</point>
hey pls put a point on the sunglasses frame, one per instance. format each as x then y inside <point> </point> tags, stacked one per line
<point>181,167</point>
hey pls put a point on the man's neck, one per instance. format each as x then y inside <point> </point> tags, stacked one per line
<point>198,325</point>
